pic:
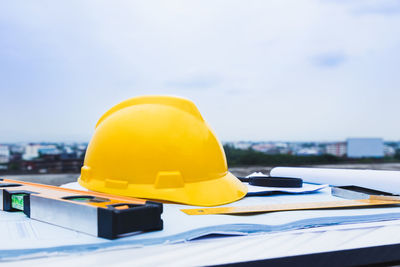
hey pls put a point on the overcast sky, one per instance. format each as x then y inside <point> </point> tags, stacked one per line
<point>258,70</point>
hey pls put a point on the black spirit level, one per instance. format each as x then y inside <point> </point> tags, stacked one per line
<point>97,214</point>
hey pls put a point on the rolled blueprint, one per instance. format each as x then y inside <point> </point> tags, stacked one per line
<point>387,181</point>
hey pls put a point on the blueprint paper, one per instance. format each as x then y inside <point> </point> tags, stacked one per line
<point>215,251</point>
<point>30,238</point>
<point>387,181</point>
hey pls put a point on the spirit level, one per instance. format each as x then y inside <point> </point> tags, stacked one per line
<point>97,214</point>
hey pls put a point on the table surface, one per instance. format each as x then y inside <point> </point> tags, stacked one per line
<point>353,244</point>
<point>380,241</point>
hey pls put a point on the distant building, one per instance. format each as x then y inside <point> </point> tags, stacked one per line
<point>17,149</point>
<point>365,147</point>
<point>282,148</point>
<point>337,149</point>
<point>389,151</point>
<point>80,151</point>
<point>33,151</point>
<point>49,150</point>
<point>312,151</point>
<point>265,148</point>
<point>4,154</point>
<point>242,145</point>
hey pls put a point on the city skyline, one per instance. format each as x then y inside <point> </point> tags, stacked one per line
<point>68,157</point>
<point>277,70</point>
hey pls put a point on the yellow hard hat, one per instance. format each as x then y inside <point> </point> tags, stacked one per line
<point>159,147</point>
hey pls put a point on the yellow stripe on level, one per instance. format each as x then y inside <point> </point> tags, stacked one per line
<point>292,206</point>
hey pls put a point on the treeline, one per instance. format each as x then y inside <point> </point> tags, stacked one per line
<point>239,157</point>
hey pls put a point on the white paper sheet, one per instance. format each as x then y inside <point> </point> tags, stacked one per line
<point>387,181</point>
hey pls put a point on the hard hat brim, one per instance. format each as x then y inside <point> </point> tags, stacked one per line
<point>207,193</point>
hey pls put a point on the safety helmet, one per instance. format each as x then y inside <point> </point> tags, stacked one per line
<point>159,147</point>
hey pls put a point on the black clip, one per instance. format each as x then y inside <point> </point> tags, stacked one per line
<point>268,181</point>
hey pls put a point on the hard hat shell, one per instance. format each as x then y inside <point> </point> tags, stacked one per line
<point>159,147</point>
